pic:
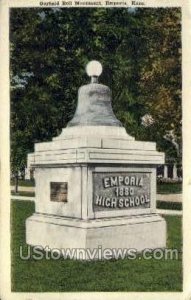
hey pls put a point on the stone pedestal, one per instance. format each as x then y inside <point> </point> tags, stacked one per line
<point>107,189</point>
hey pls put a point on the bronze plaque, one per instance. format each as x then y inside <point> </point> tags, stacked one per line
<point>124,190</point>
<point>59,191</point>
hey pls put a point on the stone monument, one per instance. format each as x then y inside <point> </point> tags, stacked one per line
<point>96,185</point>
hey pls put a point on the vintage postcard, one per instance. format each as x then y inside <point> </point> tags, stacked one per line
<point>95,157</point>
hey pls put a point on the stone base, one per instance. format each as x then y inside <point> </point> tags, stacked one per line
<point>138,232</point>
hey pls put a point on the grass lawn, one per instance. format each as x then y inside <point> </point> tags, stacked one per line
<point>169,205</point>
<point>169,188</point>
<point>25,182</point>
<point>23,193</point>
<point>113,275</point>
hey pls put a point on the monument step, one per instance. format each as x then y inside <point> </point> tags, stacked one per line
<point>137,232</point>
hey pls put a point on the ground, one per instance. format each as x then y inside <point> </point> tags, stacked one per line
<point>113,275</point>
<point>169,188</point>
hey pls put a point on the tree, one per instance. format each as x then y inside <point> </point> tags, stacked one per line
<point>160,74</point>
<point>140,52</point>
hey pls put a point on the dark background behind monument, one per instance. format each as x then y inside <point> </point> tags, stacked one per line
<point>141,53</point>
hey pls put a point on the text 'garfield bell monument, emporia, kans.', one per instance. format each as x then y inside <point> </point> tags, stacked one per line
<point>96,185</point>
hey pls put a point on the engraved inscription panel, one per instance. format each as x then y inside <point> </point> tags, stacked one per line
<point>59,191</point>
<point>124,190</point>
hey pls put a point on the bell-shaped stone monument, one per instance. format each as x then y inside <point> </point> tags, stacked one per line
<point>96,185</point>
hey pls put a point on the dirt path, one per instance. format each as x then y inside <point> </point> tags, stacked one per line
<point>170,197</point>
<point>24,188</point>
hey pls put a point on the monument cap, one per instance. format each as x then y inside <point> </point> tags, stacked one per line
<point>94,70</point>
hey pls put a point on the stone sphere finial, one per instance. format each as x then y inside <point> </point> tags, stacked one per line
<point>94,70</point>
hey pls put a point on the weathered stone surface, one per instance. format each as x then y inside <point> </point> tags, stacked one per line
<point>124,190</point>
<point>81,191</point>
<point>137,232</point>
<point>94,132</point>
<point>94,107</point>
<point>96,150</point>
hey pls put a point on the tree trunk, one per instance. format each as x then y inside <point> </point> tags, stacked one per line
<point>16,182</point>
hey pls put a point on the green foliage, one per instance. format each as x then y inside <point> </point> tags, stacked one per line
<point>169,205</point>
<point>160,73</point>
<point>169,188</point>
<point>140,53</point>
<point>25,182</point>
